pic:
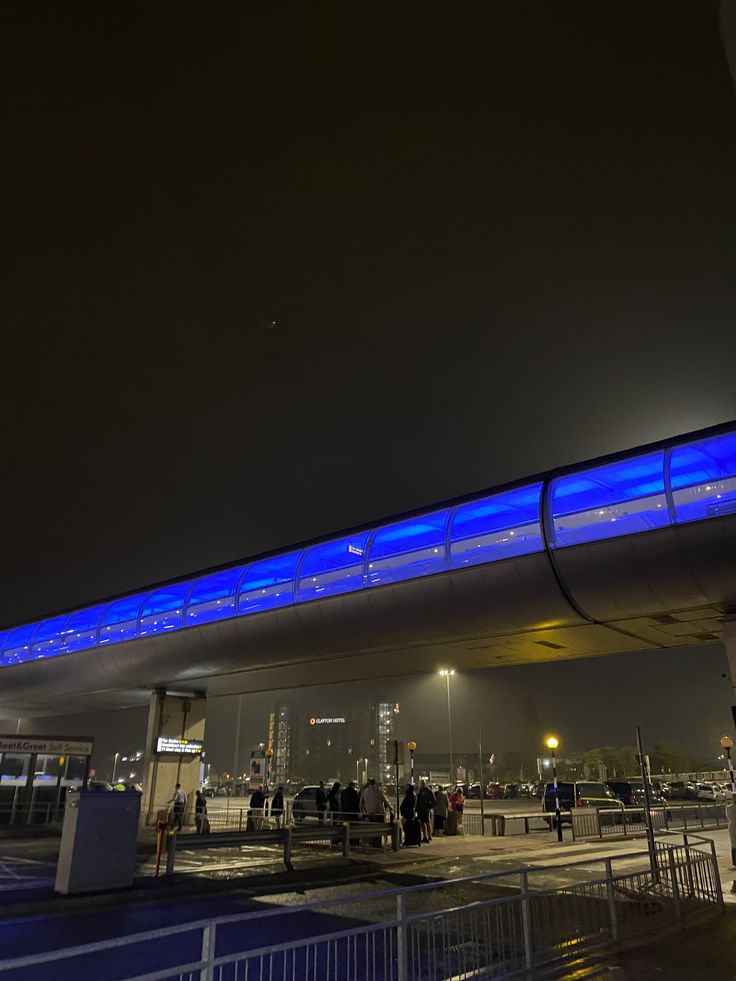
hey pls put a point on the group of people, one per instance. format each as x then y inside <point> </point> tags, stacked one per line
<point>349,804</point>
<point>257,808</point>
<point>430,807</point>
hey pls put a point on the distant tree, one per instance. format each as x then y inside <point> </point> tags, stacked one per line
<point>665,758</point>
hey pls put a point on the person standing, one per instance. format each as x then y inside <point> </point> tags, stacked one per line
<point>407,810</point>
<point>201,820</point>
<point>408,806</point>
<point>321,801</point>
<point>179,800</point>
<point>425,803</point>
<point>257,804</point>
<point>333,800</point>
<point>277,805</point>
<point>374,804</point>
<point>457,803</point>
<point>441,807</point>
<point>350,803</point>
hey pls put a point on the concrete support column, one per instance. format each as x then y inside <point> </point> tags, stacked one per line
<point>729,639</point>
<point>180,717</point>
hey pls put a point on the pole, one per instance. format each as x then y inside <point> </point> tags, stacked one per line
<point>730,769</point>
<point>558,816</point>
<point>449,730</point>
<point>482,783</point>
<point>396,760</point>
<point>236,744</point>
<point>647,807</point>
<point>114,767</point>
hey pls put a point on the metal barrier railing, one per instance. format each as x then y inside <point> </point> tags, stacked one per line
<point>603,822</point>
<point>21,817</point>
<point>411,933</point>
<point>346,835</point>
<point>593,822</point>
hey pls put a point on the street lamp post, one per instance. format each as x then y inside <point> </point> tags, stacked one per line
<point>114,767</point>
<point>412,746</point>
<point>269,754</point>
<point>552,743</point>
<point>727,743</point>
<point>447,673</point>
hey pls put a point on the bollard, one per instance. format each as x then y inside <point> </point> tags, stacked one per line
<point>170,853</point>
<point>346,839</point>
<point>287,848</point>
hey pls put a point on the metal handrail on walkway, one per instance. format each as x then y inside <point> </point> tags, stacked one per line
<point>523,931</point>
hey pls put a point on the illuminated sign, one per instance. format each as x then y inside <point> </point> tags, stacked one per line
<point>257,767</point>
<point>355,550</point>
<point>323,722</point>
<point>168,744</point>
<point>60,747</point>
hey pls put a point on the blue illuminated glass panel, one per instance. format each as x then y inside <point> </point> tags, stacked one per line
<point>408,549</point>
<point>120,619</point>
<point>163,609</point>
<point>703,478</point>
<point>80,629</point>
<point>332,568</point>
<point>48,639</point>
<point>18,644</point>
<point>499,526</point>
<point>268,584</point>
<point>604,502</point>
<point>213,597</point>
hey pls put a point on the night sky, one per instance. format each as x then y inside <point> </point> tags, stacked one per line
<point>268,274</point>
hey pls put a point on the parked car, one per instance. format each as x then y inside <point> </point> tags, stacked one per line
<point>511,791</point>
<point>582,793</point>
<point>631,793</point>
<point>706,791</point>
<point>473,791</point>
<point>494,791</point>
<point>304,805</point>
<point>681,790</point>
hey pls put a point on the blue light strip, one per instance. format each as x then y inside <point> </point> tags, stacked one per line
<point>588,504</point>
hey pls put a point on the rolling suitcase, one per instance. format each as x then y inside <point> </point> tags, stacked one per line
<point>451,823</point>
<point>412,833</point>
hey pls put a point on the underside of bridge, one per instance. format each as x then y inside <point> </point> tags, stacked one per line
<point>663,588</point>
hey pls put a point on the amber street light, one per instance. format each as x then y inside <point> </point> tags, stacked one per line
<point>552,742</point>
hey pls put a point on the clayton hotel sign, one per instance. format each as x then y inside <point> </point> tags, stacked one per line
<point>333,720</point>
